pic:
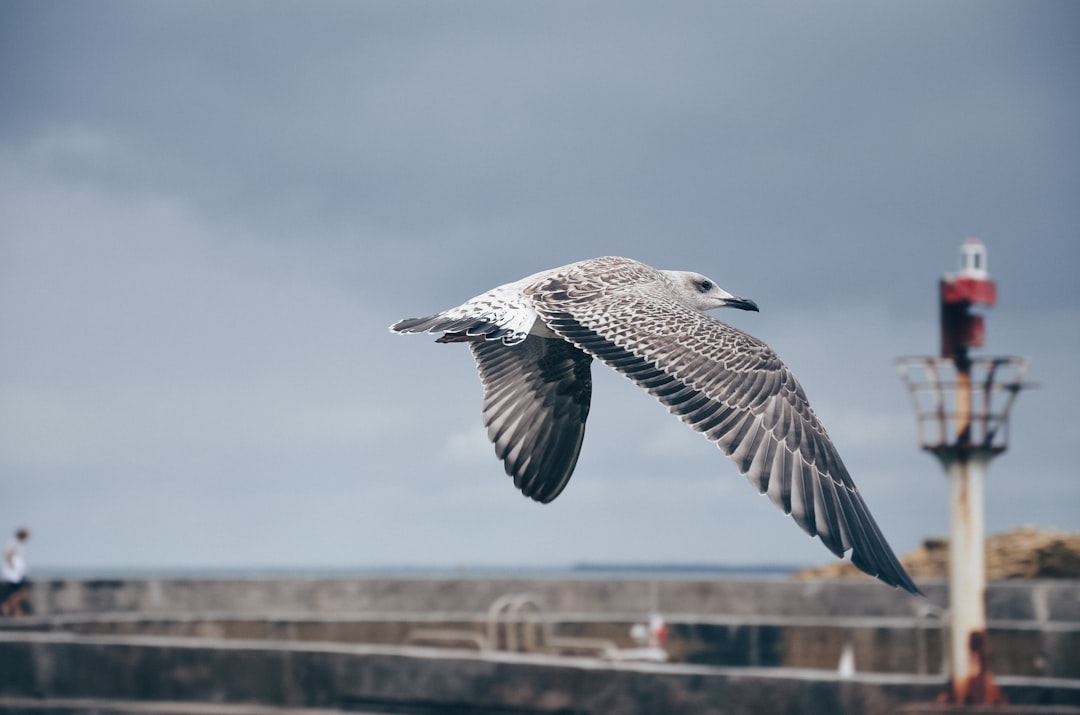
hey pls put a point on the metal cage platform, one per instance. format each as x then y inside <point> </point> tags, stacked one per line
<point>963,410</point>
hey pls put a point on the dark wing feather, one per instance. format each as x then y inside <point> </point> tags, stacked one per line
<point>457,328</point>
<point>736,391</point>
<point>536,399</point>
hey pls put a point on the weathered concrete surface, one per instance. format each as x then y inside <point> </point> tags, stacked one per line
<point>711,623</point>
<point>892,645</point>
<point>1006,600</point>
<point>380,679</point>
<point>877,645</point>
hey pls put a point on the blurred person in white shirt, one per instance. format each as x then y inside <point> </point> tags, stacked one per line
<point>16,587</point>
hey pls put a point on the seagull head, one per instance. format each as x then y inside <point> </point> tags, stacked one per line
<point>702,293</point>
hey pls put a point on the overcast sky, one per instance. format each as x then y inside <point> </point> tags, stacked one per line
<point>211,212</point>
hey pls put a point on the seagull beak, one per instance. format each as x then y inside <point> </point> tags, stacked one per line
<point>734,301</point>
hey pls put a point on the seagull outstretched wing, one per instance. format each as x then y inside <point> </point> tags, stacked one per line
<point>734,390</point>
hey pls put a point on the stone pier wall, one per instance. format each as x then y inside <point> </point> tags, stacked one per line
<point>1038,601</point>
<point>339,645</point>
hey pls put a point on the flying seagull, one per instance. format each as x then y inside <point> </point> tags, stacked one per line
<point>535,339</point>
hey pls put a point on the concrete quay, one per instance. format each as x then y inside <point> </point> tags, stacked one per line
<point>1038,601</point>
<point>890,645</point>
<point>420,680</point>
<point>330,645</point>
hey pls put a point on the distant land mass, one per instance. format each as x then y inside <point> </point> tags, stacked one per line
<point>704,568</point>
<point>584,569</point>
<point>1024,552</point>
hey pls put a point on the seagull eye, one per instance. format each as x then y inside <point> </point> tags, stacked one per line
<point>705,286</point>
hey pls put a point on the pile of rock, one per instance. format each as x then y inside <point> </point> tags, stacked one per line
<point>1025,552</point>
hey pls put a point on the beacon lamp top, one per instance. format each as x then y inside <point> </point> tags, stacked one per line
<point>972,284</point>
